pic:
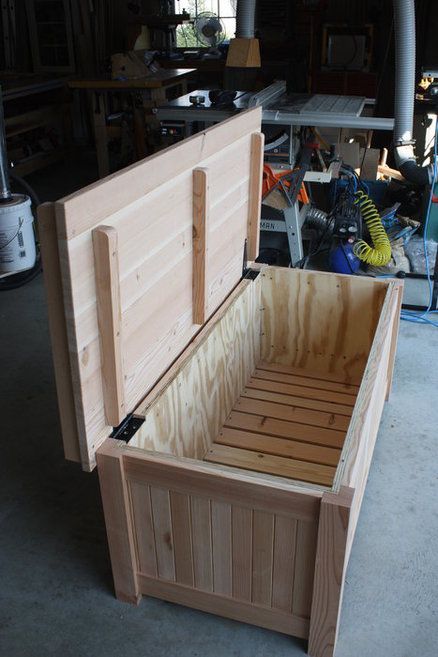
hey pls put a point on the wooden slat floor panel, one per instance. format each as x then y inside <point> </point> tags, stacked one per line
<point>279,446</point>
<point>311,380</point>
<point>287,423</point>
<point>256,389</point>
<point>304,390</point>
<point>276,465</point>
<point>298,371</point>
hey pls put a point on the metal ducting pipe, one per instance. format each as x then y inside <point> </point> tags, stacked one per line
<point>404,23</point>
<point>5,190</point>
<point>245,18</point>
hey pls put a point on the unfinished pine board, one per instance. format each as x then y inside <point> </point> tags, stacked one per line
<point>246,557</point>
<point>242,541</point>
<point>58,332</point>
<point>150,205</point>
<point>255,202</point>
<point>310,374</point>
<point>201,543</point>
<point>140,498</point>
<point>270,433</point>
<point>302,424</point>
<point>221,553</point>
<point>268,391</point>
<point>118,522</point>
<point>109,319</point>
<point>274,465</point>
<point>300,377</point>
<point>285,429</point>
<point>204,388</point>
<point>182,538</point>
<point>329,573</point>
<point>293,386</point>
<point>330,332</point>
<point>200,233</point>
<point>262,557</point>
<point>278,446</point>
<point>162,522</point>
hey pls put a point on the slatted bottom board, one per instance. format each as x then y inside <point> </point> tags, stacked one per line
<point>288,423</point>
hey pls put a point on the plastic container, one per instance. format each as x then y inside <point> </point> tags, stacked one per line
<point>17,239</point>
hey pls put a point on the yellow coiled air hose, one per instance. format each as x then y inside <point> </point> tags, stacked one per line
<point>380,253</point>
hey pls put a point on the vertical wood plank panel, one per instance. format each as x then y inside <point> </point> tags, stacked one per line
<point>201,541</point>
<point>284,563</point>
<point>109,316</point>
<point>163,533</point>
<point>304,568</point>
<point>255,195</point>
<point>262,557</point>
<point>182,540</point>
<point>200,234</point>
<point>242,553</point>
<point>221,540</point>
<point>329,572</point>
<point>143,528</point>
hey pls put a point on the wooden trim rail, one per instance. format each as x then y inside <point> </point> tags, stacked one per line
<point>106,263</point>
<point>200,232</point>
<point>255,194</point>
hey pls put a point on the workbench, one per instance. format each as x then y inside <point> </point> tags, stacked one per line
<point>146,92</point>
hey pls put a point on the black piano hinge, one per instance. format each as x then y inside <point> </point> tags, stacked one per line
<point>127,428</point>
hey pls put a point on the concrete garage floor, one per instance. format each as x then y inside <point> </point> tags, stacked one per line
<point>56,595</point>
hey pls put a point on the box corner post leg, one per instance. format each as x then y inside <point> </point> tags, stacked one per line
<point>118,525</point>
<point>394,339</point>
<point>330,567</point>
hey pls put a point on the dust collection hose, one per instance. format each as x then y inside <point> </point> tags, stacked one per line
<point>245,14</point>
<point>380,253</point>
<point>404,23</point>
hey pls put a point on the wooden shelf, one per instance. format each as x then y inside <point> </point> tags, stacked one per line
<point>27,122</point>
<point>39,161</point>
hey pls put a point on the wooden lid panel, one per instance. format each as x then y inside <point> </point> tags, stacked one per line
<point>146,253</point>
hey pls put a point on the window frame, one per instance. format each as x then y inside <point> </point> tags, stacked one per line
<point>199,46</point>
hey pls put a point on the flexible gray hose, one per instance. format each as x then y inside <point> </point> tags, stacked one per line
<point>404,23</point>
<point>245,16</point>
<point>316,218</point>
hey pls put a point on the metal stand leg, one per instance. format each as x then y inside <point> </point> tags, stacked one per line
<point>294,219</point>
<point>293,230</point>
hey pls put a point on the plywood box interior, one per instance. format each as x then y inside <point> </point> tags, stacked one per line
<point>266,393</point>
<point>256,398</point>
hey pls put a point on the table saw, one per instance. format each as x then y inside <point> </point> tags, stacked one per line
<point>283,115</point>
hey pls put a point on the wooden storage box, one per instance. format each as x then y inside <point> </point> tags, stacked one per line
<point>246,406</point>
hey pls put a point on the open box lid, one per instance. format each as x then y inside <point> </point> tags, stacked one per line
<point>146,256</point>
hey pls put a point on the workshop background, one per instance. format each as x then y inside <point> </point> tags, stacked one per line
<point>91,86</point>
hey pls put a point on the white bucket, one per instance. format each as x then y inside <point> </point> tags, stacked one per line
<point>17,239</point>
